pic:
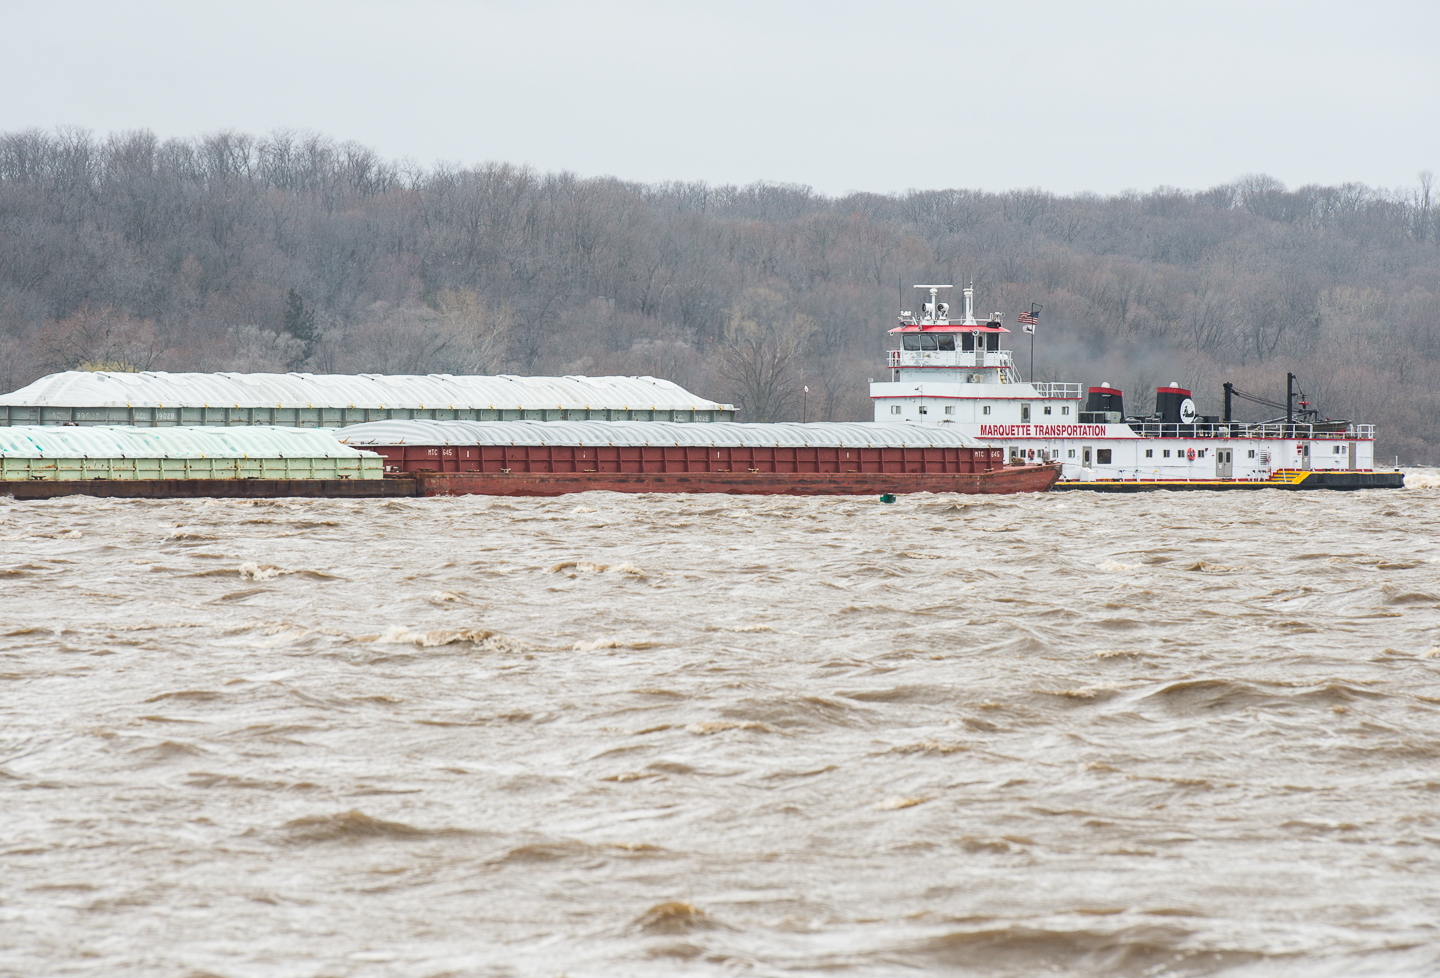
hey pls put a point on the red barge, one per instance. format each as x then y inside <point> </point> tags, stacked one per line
<point>523,458</point>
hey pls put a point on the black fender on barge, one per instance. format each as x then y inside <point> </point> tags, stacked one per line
<point>1288,480</point>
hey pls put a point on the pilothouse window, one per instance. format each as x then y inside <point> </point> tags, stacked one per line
<point>910,341</point>
<point>946,341</point>
<point>927,341</point>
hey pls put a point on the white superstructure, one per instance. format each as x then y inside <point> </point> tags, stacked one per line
<point>956,373</point>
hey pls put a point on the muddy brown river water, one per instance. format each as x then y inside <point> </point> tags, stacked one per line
<point>1167,734</point>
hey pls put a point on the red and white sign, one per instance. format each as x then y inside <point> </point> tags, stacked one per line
<point>1045,431</point>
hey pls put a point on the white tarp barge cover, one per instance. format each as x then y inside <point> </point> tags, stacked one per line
<point>734,434</point>
<point>101,388</point>
<point>114,441</point>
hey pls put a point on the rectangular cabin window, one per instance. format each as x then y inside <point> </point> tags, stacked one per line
<point>1200,454</point>
<point>985,409</point>
<point>1149,453</point>
<point>1166,453</point>
<point>924,409</point>
<point>910,341</point>
<point>1065,409</point>
<point>1047,409</point>
<point>927,341</point>
<point>947,341</point>
<point>894,409</point>
<point>1102,456</point>
<point>1072,453</point>
<point>949,409</point>
<point>1252,453</point>
<point>967,342</point>
<point>992,342</point>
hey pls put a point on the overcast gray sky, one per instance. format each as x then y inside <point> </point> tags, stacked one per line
<point>1061,94</point>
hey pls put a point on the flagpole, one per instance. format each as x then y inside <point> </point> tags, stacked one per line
<point>1032,322</point>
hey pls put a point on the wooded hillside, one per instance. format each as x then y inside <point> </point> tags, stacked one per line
<point>235,252</point>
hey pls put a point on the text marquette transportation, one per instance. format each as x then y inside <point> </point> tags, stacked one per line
<point>954,373</point>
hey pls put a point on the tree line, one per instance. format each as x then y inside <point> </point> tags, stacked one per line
<point>296,252</point>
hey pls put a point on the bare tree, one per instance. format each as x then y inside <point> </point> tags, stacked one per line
<point>760,353</point>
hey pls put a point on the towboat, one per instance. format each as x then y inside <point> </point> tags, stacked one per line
<point>956,373</point>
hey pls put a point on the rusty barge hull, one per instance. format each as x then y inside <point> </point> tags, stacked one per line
<point>1033,478</point>
<point>425,483</point>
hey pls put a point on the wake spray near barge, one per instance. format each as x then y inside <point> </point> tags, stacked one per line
<point>954,374</point>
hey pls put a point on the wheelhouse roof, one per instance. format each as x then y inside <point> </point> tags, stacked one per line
<point>949,328</point>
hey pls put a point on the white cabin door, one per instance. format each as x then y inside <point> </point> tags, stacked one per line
<point>1350,459</point>
<point>1085,456</point>
<point>1224,466</point>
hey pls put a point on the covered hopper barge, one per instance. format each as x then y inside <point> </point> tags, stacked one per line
<point>548,459</point>
<point>38,462</point>
<point>158,399</point>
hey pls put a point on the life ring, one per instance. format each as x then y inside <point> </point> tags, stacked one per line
<point>1190,455</point>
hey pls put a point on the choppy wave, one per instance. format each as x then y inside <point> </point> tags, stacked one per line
<point>654,735</point>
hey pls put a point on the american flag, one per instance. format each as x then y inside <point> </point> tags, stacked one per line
<point>1029,320</point>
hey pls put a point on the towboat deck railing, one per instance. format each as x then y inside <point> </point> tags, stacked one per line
<point>1057,390</point>
<point>957,359</point>
<point>1238,429</point>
